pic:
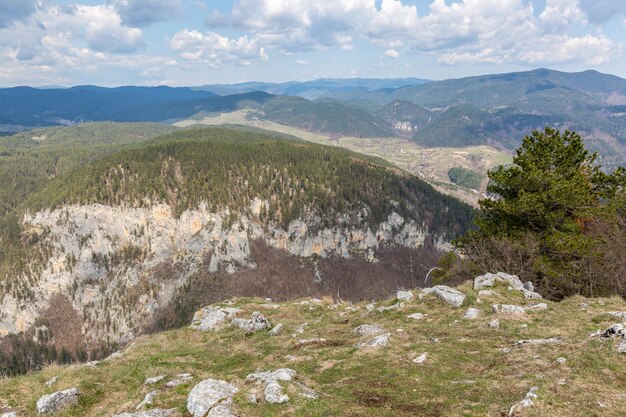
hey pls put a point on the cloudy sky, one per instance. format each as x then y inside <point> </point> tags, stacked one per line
<point>194,42</point>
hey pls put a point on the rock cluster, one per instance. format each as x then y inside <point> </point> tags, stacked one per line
<point>211,317</point>
<point>256,323</point>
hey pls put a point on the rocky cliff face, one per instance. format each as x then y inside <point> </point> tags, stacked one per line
<point>118,265</point>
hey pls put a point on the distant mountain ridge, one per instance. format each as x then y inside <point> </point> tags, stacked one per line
<point>496,109</point>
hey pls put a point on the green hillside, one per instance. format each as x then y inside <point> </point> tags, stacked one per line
<point>29,159</point>
<point>229,168</point>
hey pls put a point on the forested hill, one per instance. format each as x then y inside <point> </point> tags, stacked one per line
<point>229,168</point>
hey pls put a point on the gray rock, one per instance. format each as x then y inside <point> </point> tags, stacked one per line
<point>489,280</point>
<point>309,342</point>
<point>416,316</point>
<point>282,374</point>
<point>256,323</point>
<point>404,295</point>
<point>531,295</point>
<point>529,286</point>
<point>378,341</point>
<point>548,341</point>
<point>154,380</point>
<point>156,412</point>
<point>276,330</point>
<point>487,293</point>
<point>179,380</point>
<point>391,307</point>
<point>57,401</point>
<point>274,393</point>
<point>617,314</point>
<point>369,330</point>
<point>471,313</point>
<point>212,397</point>
<point>9,414</point>
<point>449,295</point>
<point>494,324</point>
<point>211,317</point>
<point>147,400</point>
<point>421,358</point>
<point>537,307</point>
<point>527,401</point>
<point>561,360</point>
<point>508,309</point>
<point>621,347</point>
<point>615,330</point>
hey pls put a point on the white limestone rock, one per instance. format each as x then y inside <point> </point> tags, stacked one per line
<point>449,295</point>
<point>547,341</point>
<point>403,295</point>
<point>211,397</point>
<point>377,341</point>
<point>147,400</point>
<point>52,403</point>
<point>421,358</point>
<point>527,401</point>
<point>487,293</point>
<point>471,313</point>
<point>417,316</point>
<point>153,380</point>
<point>494,324</point>
<point>489,280</point>
<point>369,330</point>
<point>275,331</point>
<point>274,393</point>
<point>256,323</point>
<point>156,412</point>
<point>211,317</point>
<point>508,309</point>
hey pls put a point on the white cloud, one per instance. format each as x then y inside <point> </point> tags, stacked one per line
<point>13,10</point>
<point>392,53</point>
<point>216,50</point>
<point>302,62</point>
<point>140,13</point>
<point>457,31</point>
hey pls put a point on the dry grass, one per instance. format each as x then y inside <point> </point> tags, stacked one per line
<point>465,373</point>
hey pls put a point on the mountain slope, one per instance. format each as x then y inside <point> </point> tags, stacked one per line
<point>117,242</point>
<point>464,367</point>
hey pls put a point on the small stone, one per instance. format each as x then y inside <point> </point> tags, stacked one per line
<point>508,309</point>
<point>494,324</point>
<point>391,307</point>
<point>180,380</point>
<point>561,360</point>
<point>51,382</point>
<point>551,340</point>
<point>9,414</point>
<point>370,306</point>
<point>57,401</point>
<point>369,330</point>
<point>404,295</point>
<point>487,293</point>
<point>421,358</point>
<point>531,295</point>
<point>308,393</point>
<point>155,412</point>
<point>154,380</point>
<point>617,314</point>
<point>621,348</point>
<point>471,313</point>
<point>148,400</point>
<point>527,401</point>
<point>274,393</point>
<point>309,342</point>
<point>528,285</point>
<point>276,330</point>
<point>378,341</point>
<point>253,399</point>
<point>537,307</point>
<point>416,316</point>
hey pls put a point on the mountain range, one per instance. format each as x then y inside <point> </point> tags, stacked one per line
<point>492,109</point>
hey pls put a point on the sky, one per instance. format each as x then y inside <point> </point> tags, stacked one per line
<point>197,42</point>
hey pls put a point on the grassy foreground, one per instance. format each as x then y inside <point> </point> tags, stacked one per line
<point>466,373</point>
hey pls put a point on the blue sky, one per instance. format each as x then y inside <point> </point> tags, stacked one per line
<point>195,42</point>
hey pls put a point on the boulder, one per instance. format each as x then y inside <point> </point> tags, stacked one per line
<point>449,295</point>
<point>489,280</point>
<point>211,317</point>
<point>471,313</point>
<point>404,295</point>
<point>57,401</point>
<point>212,397</point>
<point>256,323</point>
